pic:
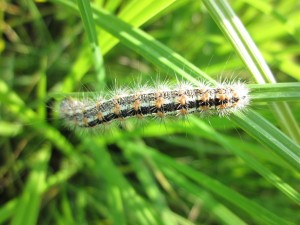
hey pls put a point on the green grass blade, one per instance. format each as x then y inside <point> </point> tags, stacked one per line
<point>132,15</point>
<point>7,210</point>
<point>149,48</point>
<point>90,27</point>
<point>256,211</point>
<point>275,92</point>
<point>234,30</point>
<point>269,135</point>
<point>42,91</point>
<point>28,206</point>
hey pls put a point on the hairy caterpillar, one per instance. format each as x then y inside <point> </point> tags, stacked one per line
<point>160,101</point>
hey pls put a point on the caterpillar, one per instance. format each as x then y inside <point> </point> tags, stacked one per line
<point>160,101</point>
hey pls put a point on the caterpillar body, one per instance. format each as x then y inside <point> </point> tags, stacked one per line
<point>160,101</point>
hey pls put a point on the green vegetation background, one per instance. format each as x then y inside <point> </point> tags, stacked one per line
<point>238,170</point>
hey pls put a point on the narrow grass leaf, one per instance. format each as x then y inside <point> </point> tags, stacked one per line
<point>90,27</point>
<point>27,210</point>
<point>7,210</point>
<point>275,92</point>
<point>269,135</point>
